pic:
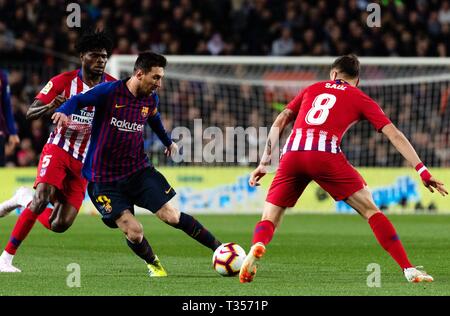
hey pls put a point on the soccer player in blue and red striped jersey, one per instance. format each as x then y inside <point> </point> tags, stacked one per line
<point>322,113</point>
<point>119,172</point>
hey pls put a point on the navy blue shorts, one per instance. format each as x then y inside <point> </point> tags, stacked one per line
<point>147,188</point>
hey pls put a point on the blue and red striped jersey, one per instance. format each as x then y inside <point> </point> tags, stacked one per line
<point>116,149</point>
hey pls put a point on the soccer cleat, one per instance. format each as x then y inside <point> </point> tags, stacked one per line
<point>21,198</point>
<point>155,269</point>
<point>7,267</point>
<point>250,265</point>
<point>415,275</point>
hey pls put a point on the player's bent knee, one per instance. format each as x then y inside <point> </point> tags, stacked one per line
<point>135,235</point>
<point>134,232</point>
<point>39,203</point>
<point>370,211</point>
<point>60,225</point>
<point>363,203</point>
<point>369,204</point>
<point>169,215</point>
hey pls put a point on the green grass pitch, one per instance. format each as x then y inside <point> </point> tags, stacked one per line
<point>309,255</point>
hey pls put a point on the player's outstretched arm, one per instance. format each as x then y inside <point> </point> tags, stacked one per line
<point>157,126</point>
<point>404,147</point>
<point>277,128</point>
<point>92,97</point>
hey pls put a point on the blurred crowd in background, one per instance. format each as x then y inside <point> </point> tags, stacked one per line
<point>36,44</point>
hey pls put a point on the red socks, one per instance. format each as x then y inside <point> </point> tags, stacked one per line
<point>263,232</point>
<point>382,228</point>
<point>44,218</point>
<point>387,237</point>
<point>23,226</point>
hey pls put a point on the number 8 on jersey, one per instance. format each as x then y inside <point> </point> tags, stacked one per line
<point>321,107</point>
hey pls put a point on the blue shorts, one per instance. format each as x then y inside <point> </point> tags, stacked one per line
<point>147,188</point>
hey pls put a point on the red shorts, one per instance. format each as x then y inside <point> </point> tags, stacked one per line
<point>58,168</point>
<point>332,172</point>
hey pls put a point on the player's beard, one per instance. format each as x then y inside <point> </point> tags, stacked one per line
<point>144,92</point>
<point>97,70</point>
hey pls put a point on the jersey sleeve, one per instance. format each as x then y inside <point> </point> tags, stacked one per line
<point>373,112</point>
<point>155,123</point>
<point>53,88</point>
<point>295,103</point>
<point>95,96</point>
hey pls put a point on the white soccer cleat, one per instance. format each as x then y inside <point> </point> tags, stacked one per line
<point>414,275</point>
<point>8,267</point>
<point>21,198</point>
<point>250,264</point>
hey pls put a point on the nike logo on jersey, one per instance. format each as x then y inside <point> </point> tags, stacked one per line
<point>168,190</point>
<point>118,106</point>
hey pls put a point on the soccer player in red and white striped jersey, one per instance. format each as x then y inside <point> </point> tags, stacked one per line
<point>74,139</point>
<point>323,112</point>
<point>59,180</point>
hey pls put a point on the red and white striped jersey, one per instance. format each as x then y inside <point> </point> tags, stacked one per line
<point>325,111</point>
<point>75,137</point>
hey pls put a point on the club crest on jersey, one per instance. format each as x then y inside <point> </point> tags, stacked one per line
<point>105,203</point>
<point>47,87</point>
<point>144,111</point>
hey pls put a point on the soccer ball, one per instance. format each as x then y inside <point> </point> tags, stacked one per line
<point>228,258</point>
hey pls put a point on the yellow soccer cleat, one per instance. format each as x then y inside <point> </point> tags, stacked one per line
<point>155,269</point>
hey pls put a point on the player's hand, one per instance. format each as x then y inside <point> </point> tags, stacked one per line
<point>60,119</point>
<point>171,150</point>
<point>14,141</point>
<point>57,101</point>
<point>256,175</point>
<point>435,183</point>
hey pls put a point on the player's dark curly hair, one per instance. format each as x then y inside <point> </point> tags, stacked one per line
<point>347,64</point>
<point>147,60</point>
<point>94,40</point>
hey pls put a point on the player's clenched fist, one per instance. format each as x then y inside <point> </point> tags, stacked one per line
<point>60,119</point>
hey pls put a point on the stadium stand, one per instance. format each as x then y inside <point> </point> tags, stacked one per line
<point>36,44</point>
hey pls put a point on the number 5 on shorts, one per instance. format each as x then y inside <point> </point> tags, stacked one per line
<point>46,161</point>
